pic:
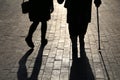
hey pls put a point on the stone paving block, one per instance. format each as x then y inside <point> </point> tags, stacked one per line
<point>57,65</point>
<point>55,75</point>
<point>46,77</point>
<point>50,60</point>
<point>52,53</point>
<point>96,57</point>
<point>14,70</point>
<point>61,45</point>
<point>49,65</point>
<point>64,76</point>
<point>99,73</point>
<point>66,52</point>
<point>59,54</point>
<point>65,63</point>
<point>29,70</point>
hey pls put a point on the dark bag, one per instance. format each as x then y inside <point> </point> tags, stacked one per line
<point>25,7</point>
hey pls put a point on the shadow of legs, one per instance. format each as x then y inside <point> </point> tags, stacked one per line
<point>37,65</point>
<point>32,29</point>
<point>43,32</point>
<point>22,70</point>
<point>81,70</point>
<point>82,47</point>
<point>74,48</point>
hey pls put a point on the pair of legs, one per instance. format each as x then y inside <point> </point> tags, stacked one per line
<point>77,30</point>
<point>32,30</point>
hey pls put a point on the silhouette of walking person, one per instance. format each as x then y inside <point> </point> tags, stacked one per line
<point>78,17</point>
<point>40,11</point>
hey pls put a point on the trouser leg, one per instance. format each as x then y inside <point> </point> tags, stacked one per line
<point>83,27</point>
<point>73,37</point>
<point>43,30</point>
<point>32,29</point>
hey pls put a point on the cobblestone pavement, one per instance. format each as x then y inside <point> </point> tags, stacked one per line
<point>18,62</point>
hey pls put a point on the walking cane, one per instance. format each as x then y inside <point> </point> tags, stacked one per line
<point>99,46</point>
<point>98,28</point>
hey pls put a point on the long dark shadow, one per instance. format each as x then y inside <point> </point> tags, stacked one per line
<point>37,65</point>
<point>22,70</point>
<point>81,70</point>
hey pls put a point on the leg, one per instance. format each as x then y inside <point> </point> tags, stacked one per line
<point>32,29</point>
<point>82,44</point>
<point>74,47</point>
<point>81,37</point>
<point>43,32</point>
<point>73,37</point>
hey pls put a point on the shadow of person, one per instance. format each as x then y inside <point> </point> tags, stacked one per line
<point>37,65</point>
<point>39,13</point>
<point>81,70</point>
<point>22,70</point>
<point>78,18</point>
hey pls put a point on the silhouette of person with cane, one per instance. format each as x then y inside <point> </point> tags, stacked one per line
<point>78,17</point>
<point>40,11</point>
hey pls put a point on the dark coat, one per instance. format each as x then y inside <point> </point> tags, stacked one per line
<point>40,10</point>
<point>78,10</point>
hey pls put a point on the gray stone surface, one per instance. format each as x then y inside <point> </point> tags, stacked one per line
<point>56,61</point>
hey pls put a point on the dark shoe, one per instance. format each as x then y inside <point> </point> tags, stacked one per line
<point>44,42</point>
<point>29,42</point>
